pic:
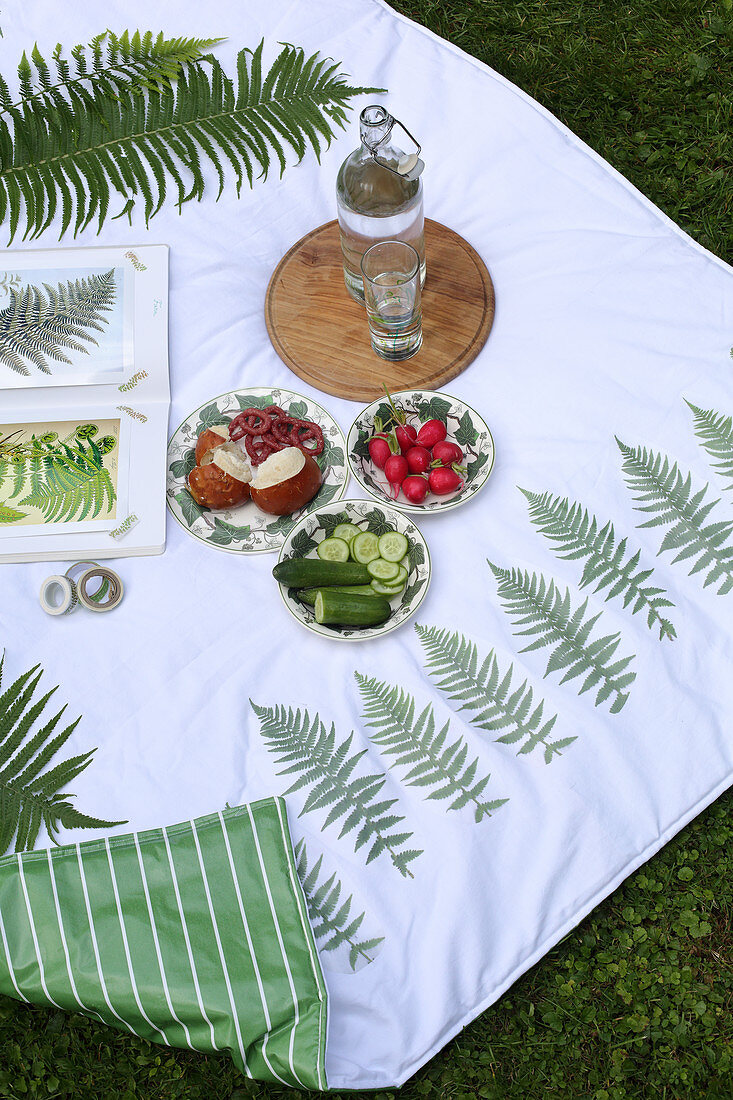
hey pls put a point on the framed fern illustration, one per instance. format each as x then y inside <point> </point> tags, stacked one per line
<point>66,318</point>
<point>61,472</point>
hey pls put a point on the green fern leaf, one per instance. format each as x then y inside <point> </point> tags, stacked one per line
<point>333,925</point>
<point>545,613</point>
<point>660,489</point>
<point>150,112</point>
<point>311,752</point>
<point>576,534</point>
<point>433,761</point>
<point>29,795</point>
<point>715,433</point>
<point>483,688</point>
<point>10,515</point>
<point>72,483</point>
<point>37,327</point>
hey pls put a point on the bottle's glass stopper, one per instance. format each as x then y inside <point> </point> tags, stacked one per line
<point>377,131</point>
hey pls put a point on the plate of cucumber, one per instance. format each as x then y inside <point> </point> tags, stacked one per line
<point>353,570</point>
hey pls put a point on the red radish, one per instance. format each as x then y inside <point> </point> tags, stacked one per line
<point>379,450</point>
<point>396,470</point>
<point>447,453</point>
<point>418,460</point>
<point>432,432</point>
<point>406,436</point>
<point>444,480</point>
<point>415,488</point>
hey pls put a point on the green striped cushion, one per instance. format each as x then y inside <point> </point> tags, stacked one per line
<point>195,935</point>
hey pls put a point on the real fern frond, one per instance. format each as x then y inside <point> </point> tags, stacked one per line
<point>72,147</point>
<point>660,489</point>
<point>333,925</point>
<point>576,534</point>
<point>715,432</point>
<point>483,688</point>
<point>542,610</point>
<point>417,744</point>
<point>329,768</point>
<point>37,327</point>
<point>29,795</point>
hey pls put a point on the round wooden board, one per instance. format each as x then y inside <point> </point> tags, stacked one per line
<point>323,336</point>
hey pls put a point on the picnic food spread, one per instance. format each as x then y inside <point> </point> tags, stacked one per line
<point>322,847</point>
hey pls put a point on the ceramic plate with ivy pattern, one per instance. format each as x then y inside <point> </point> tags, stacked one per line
<point>465,427</point>
<point>247,530</point>
<point>302,540</point>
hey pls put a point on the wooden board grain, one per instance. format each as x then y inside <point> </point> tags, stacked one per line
<point>323,336</point>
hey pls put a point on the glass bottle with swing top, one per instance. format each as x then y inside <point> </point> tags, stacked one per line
<point>379,194</point>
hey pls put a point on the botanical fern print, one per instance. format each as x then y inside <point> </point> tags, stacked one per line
<point>66,479</point>
<point>576,534</point>
<point>432,759</point>
<point>312,752</point>
<point>481,687</point>
<point>131,114</point>
<point>29,794</point>
<point>660,490</point>
<point>333,925</point>
<point>715,433</point>
<point>38,327</point>
<point>543,611</point>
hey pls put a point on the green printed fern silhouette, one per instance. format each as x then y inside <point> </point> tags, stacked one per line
<point>37,327</point>
<point>333,925</point>
<point>131,117</point>
<point>543,611</point>
<point>29,790</point>
<point>715,433</point>
<point>659,489</point>
<point>312,753</point>
<point>481,687</point>
<point>433,761</point>
<point>576,534</point>
<point>66,479</point>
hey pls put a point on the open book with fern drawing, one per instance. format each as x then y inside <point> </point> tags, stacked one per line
<point>84,399</point>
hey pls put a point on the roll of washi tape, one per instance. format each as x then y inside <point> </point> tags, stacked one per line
<point>81,567</point>
<point>58,596</point>
<point>109,593</point>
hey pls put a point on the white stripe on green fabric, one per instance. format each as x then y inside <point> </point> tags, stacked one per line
<point>95,945</point>
<point>128,959</point>
<point>6,949</point>
<point>250,945</point>
<point>220,949</point>
<point>193,934</point>
<point>308,934</point>
<point>278,932</point>
<point>64,944</point>
<point>156,942</point>
<point>34,935</point>
<point>184,927</point>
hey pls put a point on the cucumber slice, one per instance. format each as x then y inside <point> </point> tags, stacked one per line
<point>333,549</point>
<point>392,546</point>
<point>401,577</point>
<point>364,547</point>
<point>346,531</point>
<point>382,570</point>
<point>389,591</point>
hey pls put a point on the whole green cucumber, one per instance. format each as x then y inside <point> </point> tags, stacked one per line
<point>308,595</point>
<point>316,573</point>
<point>345,609</point>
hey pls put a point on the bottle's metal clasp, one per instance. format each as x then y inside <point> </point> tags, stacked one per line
<point>410,165</point>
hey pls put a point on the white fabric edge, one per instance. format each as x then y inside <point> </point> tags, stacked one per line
<point>568,133</point>
<point>578,916</point>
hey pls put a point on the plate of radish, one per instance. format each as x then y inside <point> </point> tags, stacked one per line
<point>420,450</point>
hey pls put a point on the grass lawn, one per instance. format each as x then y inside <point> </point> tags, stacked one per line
<point>637,1001</point>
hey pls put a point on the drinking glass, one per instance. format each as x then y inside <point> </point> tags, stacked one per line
<point>391,272</point>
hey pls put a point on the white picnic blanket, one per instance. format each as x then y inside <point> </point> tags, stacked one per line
<point>608,318</point>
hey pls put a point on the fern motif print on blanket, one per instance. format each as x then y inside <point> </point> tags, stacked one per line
<point>462,791</point>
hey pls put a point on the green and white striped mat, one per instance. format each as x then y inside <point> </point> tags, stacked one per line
<point>195,935</point>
